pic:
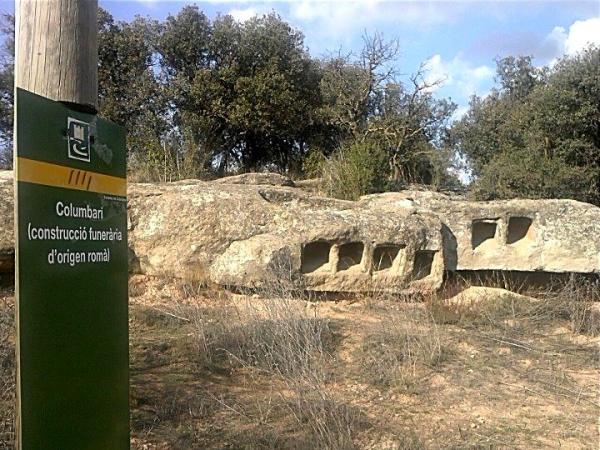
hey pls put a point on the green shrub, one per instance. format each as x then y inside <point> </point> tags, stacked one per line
<point>313,164</point>
<point>356,169</point>
<point>524,173</point>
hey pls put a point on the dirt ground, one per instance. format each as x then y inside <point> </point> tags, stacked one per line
<point>213,369</point>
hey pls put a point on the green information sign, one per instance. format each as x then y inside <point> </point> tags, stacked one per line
<point>71,226</point>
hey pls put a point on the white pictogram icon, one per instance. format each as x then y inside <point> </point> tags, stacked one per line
<point>79,139</point>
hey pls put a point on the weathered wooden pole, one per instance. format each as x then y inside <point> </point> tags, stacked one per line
<point>70,237</point>
<point>57,50</point>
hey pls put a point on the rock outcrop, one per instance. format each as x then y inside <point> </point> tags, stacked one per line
<point>253,235</point>
<point>513,235</point>
<point>480,298</point>
<point>255,178</point>
<point>255,229</point>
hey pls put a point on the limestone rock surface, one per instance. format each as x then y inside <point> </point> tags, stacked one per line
<point>254,229</point>
<point>249,235</point>
<point>478,298</point>
<point>257,178</point>
<point>510,235</point>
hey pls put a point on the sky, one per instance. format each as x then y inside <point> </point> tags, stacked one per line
<point>458,40</point>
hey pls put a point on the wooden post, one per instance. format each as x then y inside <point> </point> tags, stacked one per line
<point>70,290</point>
<point>57,50</point>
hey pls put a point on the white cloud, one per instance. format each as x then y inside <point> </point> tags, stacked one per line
<point>437,71</point>
<point>333,20</point>
<point>581,34</point>
<point>458,77</point>
<point>400,13</point>
<point>460,112</point>
<point>316,2</point>
<point>312,10</point>
<point>482,72</point>
<point>241,15</point>
<point>342,21</point>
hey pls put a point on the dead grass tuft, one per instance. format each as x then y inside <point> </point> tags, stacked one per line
<point>332,424</point>
<point>191,287</point>
<point>284,338</point>
<point>278,336</point>
<point>7,374</point>
<point>576,300</point>
<point>281,337</point>
<point>169,411</point>
<point>402,348</point>
<point>572,300</point>
<point>136,289</point>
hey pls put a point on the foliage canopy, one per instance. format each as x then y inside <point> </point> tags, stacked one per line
<point>537,134</point>
<point>203,98</point>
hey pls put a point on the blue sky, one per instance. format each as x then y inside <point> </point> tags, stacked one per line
<point>458,39</point>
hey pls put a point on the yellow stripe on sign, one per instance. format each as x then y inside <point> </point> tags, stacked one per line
<point>38,172</point>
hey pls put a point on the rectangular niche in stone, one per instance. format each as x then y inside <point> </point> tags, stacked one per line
<point>384,256</point>
<point>422,264</point>
<point>350,255</point>
<point>518,229</point>
<point>315,256</point>
<point>483,230</point>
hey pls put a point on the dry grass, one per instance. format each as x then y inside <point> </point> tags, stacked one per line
<point>271,370</point>
<point>7,372</point>
<point>287,340</point>
<point>575,301</point>
<point>540,349</point>
<point>571,300</point>
<point>331,423</point>
<point>402,347</point>
<point>283,342</point>
<point>282,337</point>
